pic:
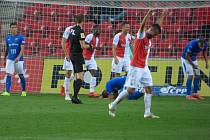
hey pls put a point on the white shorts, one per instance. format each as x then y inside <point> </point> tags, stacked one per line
<point>188,69</point>
<point>138,76</point>
<point>91,64</point>
<point>122,65</point>
<point>12,67</point>
<point>67,65</point>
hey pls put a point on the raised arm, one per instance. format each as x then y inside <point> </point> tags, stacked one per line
<point>143,23</point>
<point>205,57</point>
<point>163,15</point>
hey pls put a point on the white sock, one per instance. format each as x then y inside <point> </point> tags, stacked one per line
<point>92,84</point>
<point>119,98</point>
<point>67,86</point>
<point>147,103</point>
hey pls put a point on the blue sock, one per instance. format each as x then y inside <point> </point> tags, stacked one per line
<point>8,83</point>
<point>195,83</point>
<point>135,95</point>
<point>23,82</point>
<point>189,86</point>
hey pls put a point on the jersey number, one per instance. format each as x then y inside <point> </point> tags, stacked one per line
<point>72,31</point>
<point>13,51</point>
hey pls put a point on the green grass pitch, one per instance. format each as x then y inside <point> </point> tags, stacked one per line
<point>49,117</point>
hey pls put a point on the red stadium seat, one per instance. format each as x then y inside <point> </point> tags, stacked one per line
<point>48,11</point>
<point>88,26</point>
<point>39,6</point>
<point>67,24</point>
<point>132,12</point>
<point>44,52</point>
<point>30,10</point>
<point>62,19</point>
<point>37,36</point>
<point>65,11</point>
<point>80,9</point>
<point>118,27</point>
<point>105,26</point>
<point>46,42</point>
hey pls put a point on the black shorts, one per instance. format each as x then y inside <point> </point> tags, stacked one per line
<point>78,63</point>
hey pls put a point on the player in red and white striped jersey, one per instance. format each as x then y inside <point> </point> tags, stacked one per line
<point>139,72</point>
<point>93,40</point>
<point>121,50</point>
<point>67,62</point>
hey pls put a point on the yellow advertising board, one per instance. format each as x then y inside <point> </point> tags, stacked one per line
<point>164,72</point>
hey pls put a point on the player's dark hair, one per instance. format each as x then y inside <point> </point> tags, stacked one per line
<point>13,23</point>
<point>95,30</point>
<point>80,18</point>
<point>124,23</point>
<point>104,94</point>
<point>157,26</point>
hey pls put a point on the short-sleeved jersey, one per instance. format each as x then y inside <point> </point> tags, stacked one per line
<point>193,49</point>
<point>66,36</point>
<point>94,42</point>
<point>141,52</point>
<point>122,43</point>
<point>76,34</point>
<point>13,44</point>
<point>115,83</point>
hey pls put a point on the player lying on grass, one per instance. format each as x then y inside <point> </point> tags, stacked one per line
<point>116,84</point>
<point>190,65</point>
<point>14,59</point>
<point>92,39</point>
<point>139,72</point>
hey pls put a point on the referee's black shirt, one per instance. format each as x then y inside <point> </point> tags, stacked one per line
<point>76,34</point>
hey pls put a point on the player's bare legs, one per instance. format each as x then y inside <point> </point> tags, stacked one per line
<point>67,84</point>
<point>93,84</point>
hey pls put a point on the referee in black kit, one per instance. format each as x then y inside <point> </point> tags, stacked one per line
<point>77,41</point>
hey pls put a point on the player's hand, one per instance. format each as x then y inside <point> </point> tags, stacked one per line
<point>207,65</point>
<point>165,12</point>
<point>150,11</point>
<point>116,61</point>
<point>67,57</point>
<point>16,60</point>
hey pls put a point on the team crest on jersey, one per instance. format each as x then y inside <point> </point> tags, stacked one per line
<point>82,35</point>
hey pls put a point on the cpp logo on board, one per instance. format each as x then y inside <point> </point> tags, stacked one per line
<point>170,90</point>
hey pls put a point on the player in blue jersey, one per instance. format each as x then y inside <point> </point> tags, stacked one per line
<point>14,59</point>
<point>116,84</point>
<point>190,65</point>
